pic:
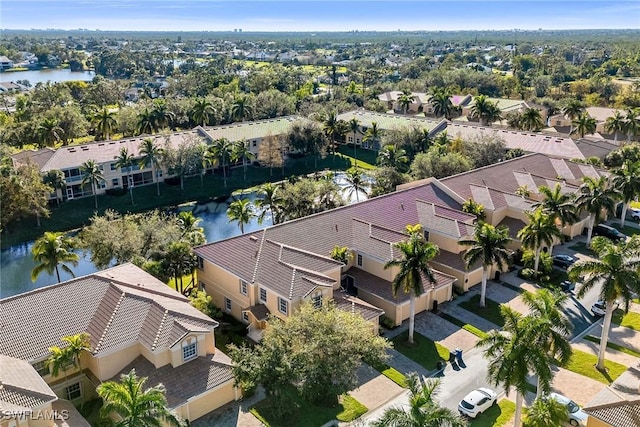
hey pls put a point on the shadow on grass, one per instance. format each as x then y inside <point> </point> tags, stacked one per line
<point>496,416</point>
<point>423,351</point>
<point>490,312</point>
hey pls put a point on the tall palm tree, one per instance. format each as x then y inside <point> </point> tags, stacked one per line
<point>241,211</point>
<point>485,110</point>
<point>163,117</point>
<point>487,247</point>
<point>55,178</point>
<point>552,327</point>
<point>201,112</point>
<point>104,122</point>
<point>531,119</point>
<point>49,132</point>
<point>151,156</point>
<point>404,100</point>
<point>136,405</point>
<point>626,180</point>
<point>146,122</point>
<point>492,114</point>
<point>372,136</point>
<point>546,412</point>
<point>616,271</point>
<point>572,110</point>
<point>331,127</point>
<point>92,174</point>
<point>512,357</point>
<point>76,345</point>
<point>583,124</point>
<point>221,150</point>
<point>240,151</point>
<point>356,182</point>
<point>424,410</point>
<point>268,199</point>
<point>393,157</point>
<point>632,122</point>
<point>354,127</point>
<point>596,195</point>
<point>540,231</point>
<point>59,359</point>
<point>615,125</point>
<point>561,206</point>
<point>341,253</point>
<point>413,269</point>
<point>441,103</point>
<point>177,261</point>
<point>190,228</point>
<point>241,108</point>
<point>51,252</point>
<point>125,161</point>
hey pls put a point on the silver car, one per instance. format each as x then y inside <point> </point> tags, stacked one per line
<point>577,417</point>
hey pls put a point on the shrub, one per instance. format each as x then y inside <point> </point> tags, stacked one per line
<point>387,322</point>
<point>527,274</point>
<point>201,301</point>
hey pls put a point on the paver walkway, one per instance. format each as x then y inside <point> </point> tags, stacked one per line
<point>579,388</point>
<point>503,295</point>
<point>403,364</point>
<point>610,354</point>
<point>444,332</point>
<point>234,414</point>
<point>453,309</point>
<point>374,388</point>
<point>625,337</point>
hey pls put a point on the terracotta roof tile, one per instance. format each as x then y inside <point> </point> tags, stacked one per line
<point>21,387</point>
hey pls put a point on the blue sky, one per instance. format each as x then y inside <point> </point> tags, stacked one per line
<point>307,15</point>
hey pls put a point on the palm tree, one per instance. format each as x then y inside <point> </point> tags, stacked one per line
<point>626,180</point>
<point>221,151</point>
<point>355,181</point>
<point>441,103</point>
<point>492,114</point>
<point>330,126</point>
<point>572,110</point>
<point>341,253</point>
<point>511,356</point>
<point>413,270</point>
<point>240,151</point>
<point>49,132</point>
<point>552,327</point>
<point>531,119</point>
<point>561,206</point>
<point>405,99</point>
<point>354,127</point>
<point>474,208</point>
<point>190,228</point>
<point>393,157</point>
<point>615,124</point>
<point>546,412</point>
<point>631,122</point>
<point>541,230</point>
<point>151,155</point>
<point>104,121</point>
<point>136,405</point>
<point>162,116</point>
<point>201,112</point>
<point>76,345</point>
<point>583,124</point>
<point>59,359</point>
<point>485,110</point>
<point>424,410</point>
<point>616,271</point>
<point>487,247</point>
<point>55,178</point>
<point>125,161</point>
<point>177,261</point>
<point>268,199</point>
<point>372,136</point>
<point>596,195</point>
<point>241,211</point>
<point>241,109</point>
<point>92,174</point>
<point>146,121</point>
<point>52,251</point>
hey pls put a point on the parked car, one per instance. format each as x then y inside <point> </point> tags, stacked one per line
<point>477,402</point>
<point>635,214</point>
<point>567,286</point>
<point>608,232</point>
<point>577,417</point>
<point>564,261</point>
<point>600,307</point>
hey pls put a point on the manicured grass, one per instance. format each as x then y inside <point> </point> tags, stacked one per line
<point>423,351</point>
<point>76,213</point>
<point>614,346</point>
<point>496,416</point>
<point>518,289</point>
<point>585,364</point>
<point>582,248</point>
<point>629,320</point>
<point>393,374</point>
<point>309,415</point>
<point>491,311</point>
<point>629,231</point>
<point>467,327</point>
<point>367,157</point>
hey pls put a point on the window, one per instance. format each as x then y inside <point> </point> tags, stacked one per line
<point>103,184</point>
<point>73,391</point>
<point>350,139</point>
<point>115,182</point>
<point>200,263</point>
<point>227,304</point>
<point>159,173</point>
<point>359,260</point>
<point>263,295</point>
<point>245,316</point>
<point>283,305</point>
<point>113,166</point>
<point>254,143</point>
<point>426,235</point>
<point>189,349</point>
<point>317,301</point>
<point>42,368</point>
<point>243,287</point>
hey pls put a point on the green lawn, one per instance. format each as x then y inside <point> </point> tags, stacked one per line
<point>467,327</point>
<point>585,364</point>
<point>369,157</point>
<point>423,351</point>
<point>393,374</point>
<point>496,416</point>
<point>309,415</point>
<point>629,320</point>
<point>76,213</point>
<point>614,346</point>
<point>491,311</point>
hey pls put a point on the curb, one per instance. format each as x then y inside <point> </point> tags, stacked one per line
<point>586,331</point>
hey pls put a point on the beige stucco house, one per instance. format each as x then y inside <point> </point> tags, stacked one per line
<point>617,405</point>
<point>134,322</point>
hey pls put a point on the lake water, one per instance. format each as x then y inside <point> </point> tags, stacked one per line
<point>43,76</point>
<point>16,262</point>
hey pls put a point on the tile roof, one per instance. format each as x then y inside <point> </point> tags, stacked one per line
<point>618,404</point>
<point>454,261</point>
<point>598,149</point>
<point>114,308</point>
<point>21,387</point>
<point>352,304</point>
<point>245,131</point>
<point>185,381</point>
<point>393,121</point>
<point>514,225</point>
<point>39,157</point>
<point>259,311</point>
<point>534,142</point>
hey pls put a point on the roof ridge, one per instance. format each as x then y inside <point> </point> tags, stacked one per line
<point>109,322</point>
<point>304,251</point>
<point>259,256</point>
<point>22,390</point>
<point>293,278</point>
<point>471,217</point>
<point>160,329</point>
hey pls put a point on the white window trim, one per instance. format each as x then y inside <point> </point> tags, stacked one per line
<point>187,345</point>
<point>260,295</point>
<point>286,305</point>
<point>229,306</point>
<point>359,260</point>
<point>244,285</point>
<point>68,395</point>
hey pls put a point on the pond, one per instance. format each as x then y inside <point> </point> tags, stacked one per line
<point>16,261</point>
<point>54,75</point>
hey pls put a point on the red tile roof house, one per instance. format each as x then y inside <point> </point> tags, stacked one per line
<point>134,321</point>
<point>274,270</point>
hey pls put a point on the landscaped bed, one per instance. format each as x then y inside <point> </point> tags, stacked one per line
<point>393,374</point>
<point>467,327</point>
<point>423,351</point>
<point>490,312</point>
<point>585,364</point>
<point>496,416</point>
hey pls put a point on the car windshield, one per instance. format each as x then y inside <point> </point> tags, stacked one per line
<point>573,407</point>
<point>599,305</point>
<point>466,405</point>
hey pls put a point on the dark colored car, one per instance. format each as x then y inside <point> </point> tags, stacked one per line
<point>567,286</point>
<point>564,261</point>
<point>608,232</point>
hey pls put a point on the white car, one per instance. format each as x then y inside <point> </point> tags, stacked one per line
<point>477,402</point>
<point>635,213</point>
<point>577,417</point>
<point>599,308</point>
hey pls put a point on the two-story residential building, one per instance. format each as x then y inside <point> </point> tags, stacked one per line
<point>421,102</point>
<point>134,322</point>
<point>5,63</point>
